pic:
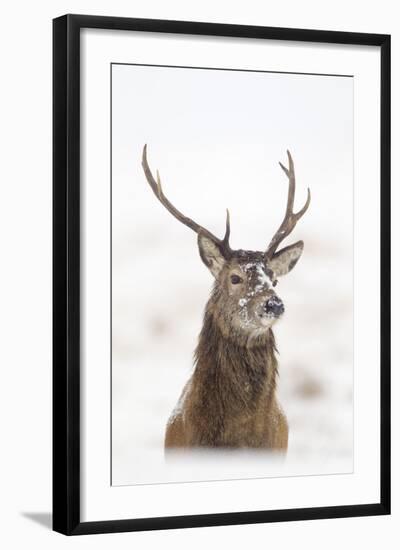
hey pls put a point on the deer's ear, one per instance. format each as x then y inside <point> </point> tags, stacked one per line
<point>284,261</point>
<point>210,254</point>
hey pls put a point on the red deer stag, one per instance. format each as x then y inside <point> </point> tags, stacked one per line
<point>230,400</point>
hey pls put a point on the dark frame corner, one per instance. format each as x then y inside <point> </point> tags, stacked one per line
<point>66,273</point>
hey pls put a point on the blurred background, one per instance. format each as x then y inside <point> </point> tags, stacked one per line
<point>216,137</point>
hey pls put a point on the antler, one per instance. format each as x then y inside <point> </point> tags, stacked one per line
<point>223,244</point>
<point>291,218</point>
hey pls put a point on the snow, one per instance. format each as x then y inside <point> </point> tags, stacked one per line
<point>160,285</point>
<point>179,406</point>
<point>262,276</point>
<point>160,288</point>
<point>264,282</point>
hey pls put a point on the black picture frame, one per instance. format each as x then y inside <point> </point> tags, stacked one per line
<point>66,273</point>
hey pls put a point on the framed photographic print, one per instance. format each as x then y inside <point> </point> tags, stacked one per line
<point>221,274</point>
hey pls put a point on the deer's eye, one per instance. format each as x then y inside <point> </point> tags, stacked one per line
<point>235,279</point>
<point>275,282</point>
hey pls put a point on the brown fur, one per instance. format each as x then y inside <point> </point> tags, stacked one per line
<point>230,400</point>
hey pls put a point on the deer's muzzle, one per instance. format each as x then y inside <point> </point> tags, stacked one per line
<point>274,306</point>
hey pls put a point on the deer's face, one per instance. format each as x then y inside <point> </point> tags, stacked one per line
<point>249,292</point>
<point>246,297</point>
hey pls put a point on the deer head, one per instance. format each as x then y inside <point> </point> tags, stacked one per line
<point>244,297</point>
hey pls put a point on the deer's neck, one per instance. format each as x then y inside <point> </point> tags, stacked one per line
<point>232,374</point>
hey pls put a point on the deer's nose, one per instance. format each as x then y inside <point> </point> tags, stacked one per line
<point>275,306</point>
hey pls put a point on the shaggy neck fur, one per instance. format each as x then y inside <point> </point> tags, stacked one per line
<point>233,374</point>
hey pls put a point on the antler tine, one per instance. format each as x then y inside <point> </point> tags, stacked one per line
<point>227,229</point>
<point>291,218</point>
<point>156,186</point>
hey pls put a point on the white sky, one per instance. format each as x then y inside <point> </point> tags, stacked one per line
<point>209,129</point>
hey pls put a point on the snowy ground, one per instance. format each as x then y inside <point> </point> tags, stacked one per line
<point>158,301</point>
<point>160,285</point>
